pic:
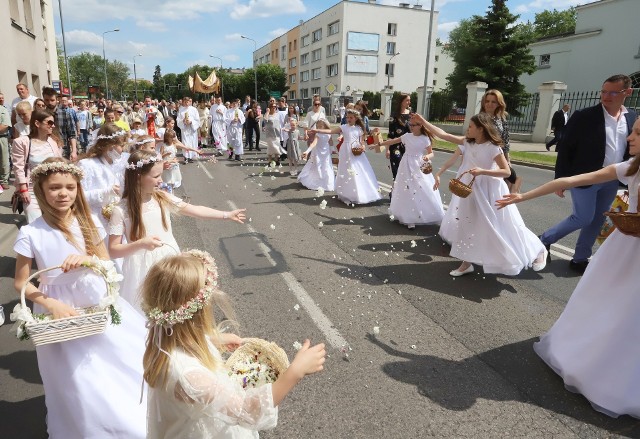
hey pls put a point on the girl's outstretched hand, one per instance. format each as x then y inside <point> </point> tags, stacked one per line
<point>238,215</point>
<point>417,118</point>
<point>508,199</point>
<point>74,261</point>
<point>437,183</point>
<point>309,359</point>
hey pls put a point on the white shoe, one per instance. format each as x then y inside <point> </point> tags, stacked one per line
<point>456,273</point>
<point>538,264</point>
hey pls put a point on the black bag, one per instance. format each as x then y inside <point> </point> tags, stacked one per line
<point>17,205</point>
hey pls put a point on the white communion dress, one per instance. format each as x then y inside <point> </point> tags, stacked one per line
<point>318,171</point>
<point>91,384</point>
<point>592,346</point>
<point>99,178</point>
<point>414,201</point>
<point>136,266</point>
<point>480,233</point>
<point>218,407</point>
<point>356,182</point>
<point>171,176</point>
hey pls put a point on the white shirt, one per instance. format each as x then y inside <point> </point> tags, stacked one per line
<point>31,99</point>
<point>616,133</point>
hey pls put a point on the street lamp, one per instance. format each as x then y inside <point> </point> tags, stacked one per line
<point>255,71</point>
<point>389,68</point>
<point>135,76</point>
<point>221,83</point>
<point>64,48</point>
<point>106,82</point>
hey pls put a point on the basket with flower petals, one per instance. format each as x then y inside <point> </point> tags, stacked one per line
<point>627,222</point>
<point>257,362</point>
<point>427,167</point>
<point>357,148</point>
<point>457,187</point>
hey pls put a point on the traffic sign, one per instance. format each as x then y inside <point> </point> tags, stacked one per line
<point>275,94</point>
<point>331,88</point>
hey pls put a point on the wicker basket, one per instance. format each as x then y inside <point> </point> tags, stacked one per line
<point>426,168</point>
<point>627,222</point>
<point>357,150</point>
<point>460,189</point>
<point>263,351</point>
<point>335,160</point>
<point>91,320</point>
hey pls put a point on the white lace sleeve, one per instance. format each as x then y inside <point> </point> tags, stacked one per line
<point>116,223</point>
<point>216,395</point>
<point>96,190</point>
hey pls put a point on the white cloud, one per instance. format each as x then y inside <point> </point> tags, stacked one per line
<point>445,28</point>
<point>154,26</point>
<point>277,32</point>
<point>83,38</point>
<point>233,37</point>
<point>232,58</point>
<point>267,8</point>
<point>541,5</point>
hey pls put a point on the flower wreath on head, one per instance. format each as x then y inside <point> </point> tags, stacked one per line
<point>112,136</point>
<point>141,163</point>
<point>143,141</point>
<point>167,319</point>
<point>56,167</point>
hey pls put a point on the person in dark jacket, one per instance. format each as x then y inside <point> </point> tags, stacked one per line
<point>558,121</point>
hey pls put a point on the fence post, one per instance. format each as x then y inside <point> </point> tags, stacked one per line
<point>419,106</point>
<point>550,94</point>
<point>357,95</point>
<point>386,96</point>
<point>475,91</point>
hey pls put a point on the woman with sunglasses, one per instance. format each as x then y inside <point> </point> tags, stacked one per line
<point>315,113</point>
<point>271,128</point>
<point>27,152</point>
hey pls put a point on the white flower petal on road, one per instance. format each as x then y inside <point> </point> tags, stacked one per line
<point>391,217</point>
<point>413,346</point>
<point>272,164</point>
<point>320,224</point>
<point>273,177</point>
<point>297,346</point>
<point>376,330</point>
<point>273,227</point>
<point>320,192</point>
<point>323,204</point>
<point>413,243</point>
<point>278,217</point>
<point>296,307</point>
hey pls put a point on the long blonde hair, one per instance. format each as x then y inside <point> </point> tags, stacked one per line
<point>171,283</point>
<point>93,244</point>
<point>133,194</point>
<point>103,145</point>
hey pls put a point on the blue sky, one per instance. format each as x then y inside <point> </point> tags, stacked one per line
<point>179,33</point>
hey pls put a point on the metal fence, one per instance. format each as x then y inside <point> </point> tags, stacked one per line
<point>444,107</point>
<point>523,114</point>
<point>583,99</point>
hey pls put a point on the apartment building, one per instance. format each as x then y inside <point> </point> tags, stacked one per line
<point>354,46</point>
<point>28,46</point>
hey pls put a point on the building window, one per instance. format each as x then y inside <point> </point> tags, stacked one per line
<point>316,55</point>
<point>388,69</point>
<point>316,35</point>
<point>315,73</point>
<point>545,60</point>
<point>292,94</point>
<point>13,11</point>
<point>295,44</point>
<point>283,54</point>
<point>304,76</point>
<point>437,58</point>
<point>304,93</point>
<point>391,48</point>
<point>28,15</point>
<point>292,62</point>
<point>333,28</point>
<point>289,46</point>
<point>332,49</point>
<point>435,70</point>
<point>304,59</point>
<point>304,41</point>
<point>392,29</point>
<point>262,60</point>
<point>292,79</point>
<point>276,57</point>
<point>315,91</point>
<point>332,70</point>
<point>434,82</point>
<point>267,58</point>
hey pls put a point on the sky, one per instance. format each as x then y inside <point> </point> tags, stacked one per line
<point>177,34</point>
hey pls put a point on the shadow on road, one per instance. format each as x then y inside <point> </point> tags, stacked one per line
<point>22,365</point>
<point>32,409</point>
<point>456,385</point>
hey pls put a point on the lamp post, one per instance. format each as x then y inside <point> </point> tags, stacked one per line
<point>221,83</point>
<point>106,81</point>
<point>255,71</point>
<point>135,76</point>
<point>389,68</point>
<point>64,48</point>
<point>426,94</point>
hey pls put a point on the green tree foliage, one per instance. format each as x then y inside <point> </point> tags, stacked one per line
<point>157,81</point>
<point>553,23</point>
<point>492,49</point>
<point>87,69</point>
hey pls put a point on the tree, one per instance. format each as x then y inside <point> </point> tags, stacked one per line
<point>270,78</point>
<point>85,69</point>
<point>552,23</point>
<point>157,82</point>
<point>492,49</point>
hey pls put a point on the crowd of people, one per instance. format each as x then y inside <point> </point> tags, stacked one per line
<point>88,181</point>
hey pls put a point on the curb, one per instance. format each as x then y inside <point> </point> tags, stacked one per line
<point>517,162</point>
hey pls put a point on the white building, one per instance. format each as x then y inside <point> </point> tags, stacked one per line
<point>28,46</point>
<point>443,67</point>
<point>349,47</point>
<point>604,44</point>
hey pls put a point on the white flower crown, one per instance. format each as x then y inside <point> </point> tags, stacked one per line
<point>143,141</point>
<point>112,136</point>
<point>56,167</point>
<point>141,163</point>
<point>186,312</point>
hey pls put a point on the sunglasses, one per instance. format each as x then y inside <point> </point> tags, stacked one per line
<point>50,123</point>
<point>316,103</point>
<point>120,112</point>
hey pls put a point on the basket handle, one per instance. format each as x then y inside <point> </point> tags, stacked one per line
<point>472,180</point>
<point>172,247</point>
<point>23,290</point>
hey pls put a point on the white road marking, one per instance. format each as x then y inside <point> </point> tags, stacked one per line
<point>205,170</point>
<point>334,338</point>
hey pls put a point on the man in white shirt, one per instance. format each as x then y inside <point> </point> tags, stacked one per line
<point>23,95</point>
<point>189,123</point>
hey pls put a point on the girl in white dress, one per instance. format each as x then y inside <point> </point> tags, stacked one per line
<point>478,232</point>
<point>103,168</point>
<point>271,129</point>
<point>143,217</point>
<point>191,393</point>
<point>591,346</point>
<point>318,172</point>
<point>168,150</point>
<point>356,182</point>
<point>414,201</point>
<point>91,384</point>
<point>291,145</point>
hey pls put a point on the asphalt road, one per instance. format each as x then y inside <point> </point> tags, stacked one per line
<point>453,357</point>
